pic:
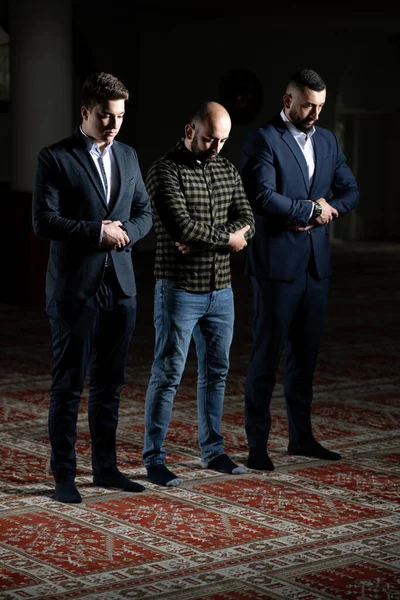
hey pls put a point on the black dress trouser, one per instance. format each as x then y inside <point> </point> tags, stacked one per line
<point>287,316</point>
<point>92,334</point>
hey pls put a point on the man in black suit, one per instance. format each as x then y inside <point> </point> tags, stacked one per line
<point>90,201</point>
<point>297,181</point>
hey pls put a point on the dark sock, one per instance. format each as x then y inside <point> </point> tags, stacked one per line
<point>312,448</point>
<point>66,492</point>
<point>224,464</point>
<point>160,475</point>
<point>119,481</point>
<point>260,461</point>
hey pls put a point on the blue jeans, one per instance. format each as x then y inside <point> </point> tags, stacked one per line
<point>178,315</point>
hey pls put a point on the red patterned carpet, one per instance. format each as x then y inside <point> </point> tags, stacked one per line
<point>309,530</point>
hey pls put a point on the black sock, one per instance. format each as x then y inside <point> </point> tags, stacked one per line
<point>224,464</point>
<point>160,475</point>
<point>119,481</point>
<point>66,492</point>
<point>259,460</point>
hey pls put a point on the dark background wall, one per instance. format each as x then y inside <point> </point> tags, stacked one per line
<point>173,54</point>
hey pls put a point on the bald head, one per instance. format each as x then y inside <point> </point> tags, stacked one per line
<point>210,112</point>
<point>208,130</point>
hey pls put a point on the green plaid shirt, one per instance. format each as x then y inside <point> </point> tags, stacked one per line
<point>199,205</point>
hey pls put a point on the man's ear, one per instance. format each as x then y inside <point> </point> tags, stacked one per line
<point>189,131</point>
<point>84,112</point>
<point>287,100</point>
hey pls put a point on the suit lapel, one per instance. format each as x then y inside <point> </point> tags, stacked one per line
<point>298,155</point>
<point>317,158</point>
<point>122,166</point>
<point>86,161</point>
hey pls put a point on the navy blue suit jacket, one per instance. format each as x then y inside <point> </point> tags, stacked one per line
<point>68,207</point>
<point>276,181</point>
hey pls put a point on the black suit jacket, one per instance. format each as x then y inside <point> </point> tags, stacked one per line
<point>68,207</point>
<point>275,178</point>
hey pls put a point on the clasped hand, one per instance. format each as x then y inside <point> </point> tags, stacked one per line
<point>237,241</point>
<point>327,215</point>
<point>328,212</point>
<point>113,235</point>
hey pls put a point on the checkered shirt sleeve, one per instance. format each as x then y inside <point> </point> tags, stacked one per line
<point>199,205</point>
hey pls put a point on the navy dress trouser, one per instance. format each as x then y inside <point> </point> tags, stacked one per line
<point>92,334</point>
<point>287,316</point>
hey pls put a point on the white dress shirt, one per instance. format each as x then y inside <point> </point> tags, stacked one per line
<point>305,144</point>
<point>108,171</point>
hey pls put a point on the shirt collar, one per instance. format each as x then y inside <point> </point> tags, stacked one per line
<point>293,130</point>
<point>92,146</point>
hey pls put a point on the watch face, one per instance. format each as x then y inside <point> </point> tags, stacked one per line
<point>317,210</point>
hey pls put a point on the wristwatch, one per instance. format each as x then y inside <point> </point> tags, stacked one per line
<point>317,210</point>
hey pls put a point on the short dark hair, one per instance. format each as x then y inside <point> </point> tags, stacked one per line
<point>102,87</point>
<point>307,78</point>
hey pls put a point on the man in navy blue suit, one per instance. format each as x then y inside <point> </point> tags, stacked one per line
<point>297,180</point>
<point>90,201</point>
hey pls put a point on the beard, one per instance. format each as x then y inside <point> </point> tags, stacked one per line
<point>203,155</point>
<point>304,125</point>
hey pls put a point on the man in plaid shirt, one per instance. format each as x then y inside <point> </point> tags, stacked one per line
<point>201,215</point>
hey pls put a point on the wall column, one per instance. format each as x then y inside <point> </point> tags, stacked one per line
<point>41,88</point>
